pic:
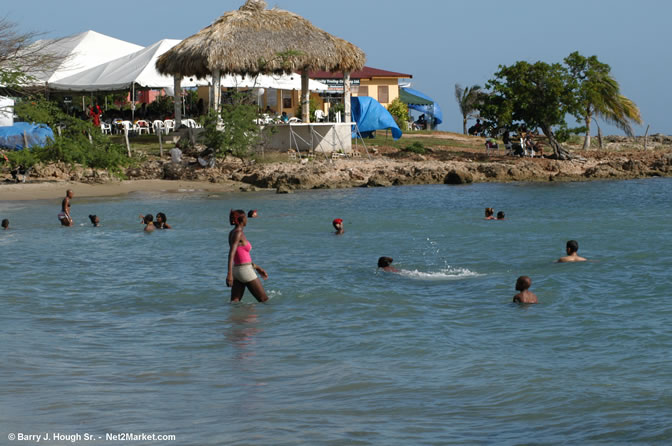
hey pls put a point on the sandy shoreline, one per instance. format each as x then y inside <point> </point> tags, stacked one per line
<point>56,189</point>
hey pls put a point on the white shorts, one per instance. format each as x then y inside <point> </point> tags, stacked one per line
<point>244,273</point>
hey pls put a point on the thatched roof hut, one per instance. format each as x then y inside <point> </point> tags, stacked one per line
<point>255,40</point>
<point>251,40</point>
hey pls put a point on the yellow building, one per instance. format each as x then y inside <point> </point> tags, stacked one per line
<point>381,85</point>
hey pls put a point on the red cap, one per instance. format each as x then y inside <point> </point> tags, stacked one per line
<point>337,221</point>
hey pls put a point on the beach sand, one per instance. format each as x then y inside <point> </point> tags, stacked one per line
<point>56,189</point>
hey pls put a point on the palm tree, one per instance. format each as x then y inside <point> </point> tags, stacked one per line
<point>599,94</point>
<point>467,99</point>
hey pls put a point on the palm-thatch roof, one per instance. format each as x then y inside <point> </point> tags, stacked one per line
<point>255,40</point>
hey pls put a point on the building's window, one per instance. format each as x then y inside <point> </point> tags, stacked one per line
<point>383,94</point>
<point>363,91</point>
<point>286,99</point>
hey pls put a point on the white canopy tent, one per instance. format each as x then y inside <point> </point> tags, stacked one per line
<point>124,73</point>
<point>82,51</point>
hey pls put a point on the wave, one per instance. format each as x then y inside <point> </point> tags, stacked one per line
<point>444,274</point>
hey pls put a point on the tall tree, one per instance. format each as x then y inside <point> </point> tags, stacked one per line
<point>21,55</point>
<point>598,94</point>
<point>539,95</point>
<point>467,99</point>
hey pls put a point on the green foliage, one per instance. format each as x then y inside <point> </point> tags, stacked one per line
<point>399,112</point>
<point>73,145</point>
<point>598,93</point>
<point>234,131</point>
<point>313,107</point>
<point>564,133</point>
<point>416,147</point>
<point>162,106</point>
<point>468,100</point>
<point>337,107</point>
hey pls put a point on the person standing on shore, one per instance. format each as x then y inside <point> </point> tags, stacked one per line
<point>242,272</point>
<point>572,256</point>
<point>64,216</point>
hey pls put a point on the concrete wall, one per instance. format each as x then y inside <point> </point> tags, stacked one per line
<point>312,137</point>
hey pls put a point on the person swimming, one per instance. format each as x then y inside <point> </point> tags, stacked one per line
<point>241,270</point>
<point>572,247</point>
<point>525,296</point>
<point>252,214</point>
<point>489,214</point>
<point>95,221</point>
<point>161,221</point>
<point>5,224</point>
<point>386,264</point>
<point>338,225</point>
<point>500,215</point>
<point>64,216</point>
<point>148,221</point>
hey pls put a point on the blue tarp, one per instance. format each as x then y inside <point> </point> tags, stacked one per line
<point>431,110</point>
<point>11,137</point>
<point>370,115</point>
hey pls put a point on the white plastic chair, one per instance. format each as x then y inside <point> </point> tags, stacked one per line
<point>141,126</point>
<point>106,128</point>
<point>169,124</point>
<point>319,116</point>
<point>127,126</point>
<point>158,126</point>
<point>294,120</point>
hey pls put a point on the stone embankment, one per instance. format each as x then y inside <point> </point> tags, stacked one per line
<point>380,171</point>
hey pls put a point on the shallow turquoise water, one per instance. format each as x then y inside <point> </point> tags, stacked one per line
<point>112,330</point>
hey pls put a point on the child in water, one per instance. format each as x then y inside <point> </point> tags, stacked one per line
<point>386,264</point>
<point>525,296</point>
<point>5,224</point>
<point>338,225</point>
<point>95,221</point>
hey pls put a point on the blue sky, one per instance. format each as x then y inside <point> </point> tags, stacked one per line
<point>439,42</point>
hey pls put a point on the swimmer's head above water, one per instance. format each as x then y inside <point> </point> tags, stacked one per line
<point>95,221</point>
<point>5,224</point>
<point>338,225</point>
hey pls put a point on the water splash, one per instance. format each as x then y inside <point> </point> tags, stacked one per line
<point>443,274</point>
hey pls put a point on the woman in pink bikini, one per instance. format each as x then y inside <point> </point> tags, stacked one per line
<point>241,272</point>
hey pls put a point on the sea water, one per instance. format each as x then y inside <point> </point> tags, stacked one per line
<point>111,330</point>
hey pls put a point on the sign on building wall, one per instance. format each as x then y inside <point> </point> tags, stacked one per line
<point>336,85</point>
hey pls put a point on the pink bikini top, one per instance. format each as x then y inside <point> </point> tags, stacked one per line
<point>242,254</point>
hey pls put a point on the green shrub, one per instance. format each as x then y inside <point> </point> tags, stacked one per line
<point>416,147</point>
<point>73,145</point>
<point>399,112</point>
<point>234,131</point>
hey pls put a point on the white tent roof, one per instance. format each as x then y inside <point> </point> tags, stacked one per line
<point>119,74</point>
<point>83,51</point>
<point>140,68</point>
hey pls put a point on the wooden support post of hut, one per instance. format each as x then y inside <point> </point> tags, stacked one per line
<point>216,89</point>
<point>178,101</point>
<point>305,96</point>
<point>347,93</point>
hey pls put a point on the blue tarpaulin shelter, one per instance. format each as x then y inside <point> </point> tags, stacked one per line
<point>12,137</point>
<point>370,116</point>
<point>432,110</point>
